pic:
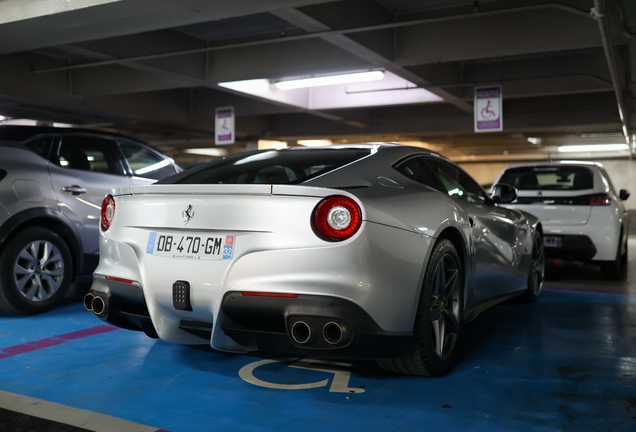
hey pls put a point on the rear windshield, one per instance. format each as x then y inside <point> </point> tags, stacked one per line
<point>549,178</point>
<point>269,167</point>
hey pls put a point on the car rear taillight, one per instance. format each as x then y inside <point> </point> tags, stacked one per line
<point>336,218</point>
<point>3,174</point>
<point>108,212</point>
<point>600,199</point>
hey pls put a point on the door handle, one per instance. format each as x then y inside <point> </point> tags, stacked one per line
<point>74,190</point>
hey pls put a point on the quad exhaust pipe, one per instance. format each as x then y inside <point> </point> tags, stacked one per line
<point>95,303</point>
<point>332,332</point>
<point>303,333</point>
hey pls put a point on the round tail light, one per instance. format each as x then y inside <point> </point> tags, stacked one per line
<point>336,218</point>
<point>108,212</point>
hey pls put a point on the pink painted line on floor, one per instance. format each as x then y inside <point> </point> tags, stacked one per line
<point>55,340</point>
<point>587,291</point>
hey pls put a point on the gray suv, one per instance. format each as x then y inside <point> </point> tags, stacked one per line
<point>52,184</point>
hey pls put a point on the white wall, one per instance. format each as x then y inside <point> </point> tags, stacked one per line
<point>621,171</point>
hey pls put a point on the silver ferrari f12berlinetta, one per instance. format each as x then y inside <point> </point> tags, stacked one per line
<point>376,252</point>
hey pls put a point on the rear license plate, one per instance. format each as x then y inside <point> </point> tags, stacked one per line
<point>552,241</point>
<point>190,246</point>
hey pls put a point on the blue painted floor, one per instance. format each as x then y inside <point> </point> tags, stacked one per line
<point>567,362</point>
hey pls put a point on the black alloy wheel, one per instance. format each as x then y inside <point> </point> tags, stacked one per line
<point>536,272</point>
<point>439,319</point>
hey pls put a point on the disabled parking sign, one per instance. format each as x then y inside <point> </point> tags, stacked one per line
<point>488,115</point>
<point>224,126</point>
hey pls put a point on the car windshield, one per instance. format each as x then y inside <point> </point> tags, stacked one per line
<point>269,167</point>
<point>549,178</point>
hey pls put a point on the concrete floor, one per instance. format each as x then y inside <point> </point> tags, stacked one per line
<point>567,362</point>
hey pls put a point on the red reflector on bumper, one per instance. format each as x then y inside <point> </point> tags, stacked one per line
<point>266,294</point>
<point>116,279</point>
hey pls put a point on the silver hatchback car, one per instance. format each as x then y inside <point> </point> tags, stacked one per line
<point>52,184</point>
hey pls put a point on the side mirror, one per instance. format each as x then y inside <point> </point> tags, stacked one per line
<point>503,193</point>
<point>623,194</point>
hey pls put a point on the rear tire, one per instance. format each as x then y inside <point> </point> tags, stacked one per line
<point>613,270</point>
<point>35,271</point>
<point>536,272</point>
<point>439,318</point>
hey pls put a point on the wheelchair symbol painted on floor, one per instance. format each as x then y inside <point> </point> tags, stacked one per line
<point>339,383</point>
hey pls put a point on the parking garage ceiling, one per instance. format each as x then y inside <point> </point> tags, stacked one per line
<point>152,68</point>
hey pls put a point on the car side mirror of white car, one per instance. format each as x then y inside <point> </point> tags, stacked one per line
<point>623,194</point>
<point>503,193</point>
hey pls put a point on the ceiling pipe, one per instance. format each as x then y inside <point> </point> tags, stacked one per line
<point>598,12</point>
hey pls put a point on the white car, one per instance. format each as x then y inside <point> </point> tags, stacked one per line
<point>583,217</point>
<point>343,252</point>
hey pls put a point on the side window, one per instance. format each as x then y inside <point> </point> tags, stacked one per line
<point>39,145</point>
<point>144,162</point>
<point>416,169</point>
<point>456,182</point>
<point>86,153</point>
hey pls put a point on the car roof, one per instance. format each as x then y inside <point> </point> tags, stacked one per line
<point>394,150</point>
<point>21,133</point>
<point>557,163</point>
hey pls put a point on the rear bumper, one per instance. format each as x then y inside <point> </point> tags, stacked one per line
<point>600,229</point>
<point>577,247</point>
<point>124,305</point>
<point>266,324</point>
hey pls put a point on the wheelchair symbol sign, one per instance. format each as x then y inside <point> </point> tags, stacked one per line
<point>339,383</point>
<point>488,116</point>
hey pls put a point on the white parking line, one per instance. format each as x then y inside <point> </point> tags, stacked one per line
<point>67,415</point>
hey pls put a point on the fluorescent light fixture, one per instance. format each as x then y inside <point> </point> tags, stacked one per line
<point>29,122</point>
<point>20,122</point>
<point>330,80</point>
<point>217,152</point>
<point>269,144</point>
<point>592,148</point>
<point>387,89</point>
<point>534,140</point>
<point>248,86</point>
<point>315,143</point>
